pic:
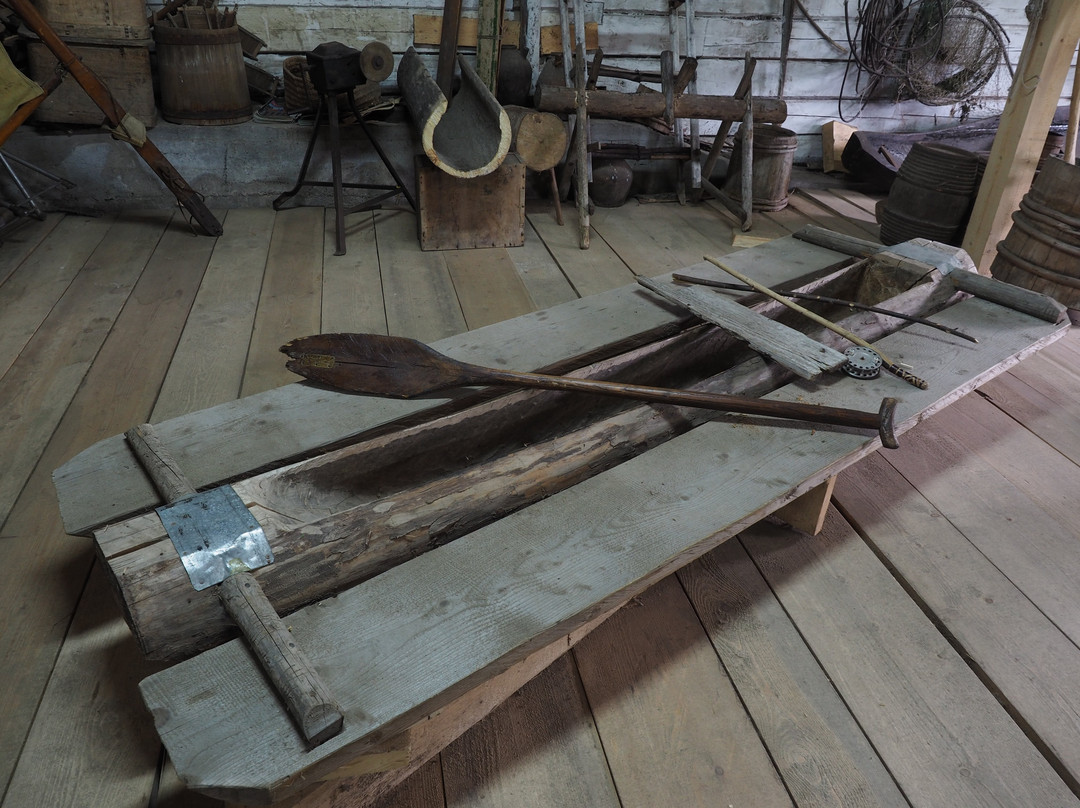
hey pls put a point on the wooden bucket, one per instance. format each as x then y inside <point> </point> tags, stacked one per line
<point>1042,250</point>
<point>932,195</point>
<point>774,154</point>
<point>202,76</point>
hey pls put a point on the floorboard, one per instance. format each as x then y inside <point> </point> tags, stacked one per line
<point>1008,639</point>
<point>658,694</point>
<point>558,761</point>
<point>944,737</point>
<point>22,242</point>
<point>352,298</point>
<point>417,289</point>
<point>44,570</point>
<point>42,381</point>
<point>290,302</point>
<point>818,747</point>
<point>922,651</point>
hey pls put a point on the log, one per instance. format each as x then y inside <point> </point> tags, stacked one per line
<point>611,104</point>
<point>539,138</point>
<point>337,520</point>
<point>470,136</point>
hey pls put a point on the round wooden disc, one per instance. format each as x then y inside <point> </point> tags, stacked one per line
<point>376,61</point>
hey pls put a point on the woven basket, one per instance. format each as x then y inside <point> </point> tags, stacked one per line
<point>301,96</point>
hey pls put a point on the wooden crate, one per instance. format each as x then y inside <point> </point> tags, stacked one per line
<point>125,69</point>
<point>97,19</point>
<point>460,214</point>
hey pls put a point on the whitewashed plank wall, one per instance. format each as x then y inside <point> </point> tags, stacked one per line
<point>633,32</point>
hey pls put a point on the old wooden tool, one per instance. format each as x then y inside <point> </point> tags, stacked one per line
<point>992,289</point>
<point>219,543</point>
<point>402,368</point>
<point>122,123</point>
<point>792,349</point>
<point>851,304</point>
<point>886,362</point>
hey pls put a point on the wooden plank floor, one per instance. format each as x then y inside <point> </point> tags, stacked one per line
<point>922,651</point>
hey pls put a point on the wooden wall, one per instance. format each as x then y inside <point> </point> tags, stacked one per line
<point>632,32</point>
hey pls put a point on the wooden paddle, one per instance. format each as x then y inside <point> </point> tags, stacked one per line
<point>398,367</point>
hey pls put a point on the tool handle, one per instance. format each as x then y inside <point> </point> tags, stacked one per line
<point>1008,295</point>
<point>292,674</point>
<point>295,679</point>
<point>158,463</point>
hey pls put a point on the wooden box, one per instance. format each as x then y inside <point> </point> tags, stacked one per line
<point>97,19</point>
<point>460,214</point>
<point>125,69</point>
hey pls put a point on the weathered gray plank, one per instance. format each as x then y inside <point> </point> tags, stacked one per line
<point>653,658</point>
<point>417,291</point>
<point>43,572</point>
<point>223,442</point>
<point>819,749</point>
<point>221,317</point>
<point>352,298</point>
<point>1036,551</point>
<point>538,573</point>
<point>291,297</point>
<point>792,349</point>
<point>557,761</point>
<point>941,733</point>
<point>1034,667</point>
<point>46,375</point>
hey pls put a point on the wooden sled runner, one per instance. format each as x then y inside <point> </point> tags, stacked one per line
<point>500,596</point>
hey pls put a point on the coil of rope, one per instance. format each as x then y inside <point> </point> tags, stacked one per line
<point>938,52</point>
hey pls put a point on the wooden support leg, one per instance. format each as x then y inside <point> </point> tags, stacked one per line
<point>807,513</point>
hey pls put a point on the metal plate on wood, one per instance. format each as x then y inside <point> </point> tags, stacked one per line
<point>215,535</point>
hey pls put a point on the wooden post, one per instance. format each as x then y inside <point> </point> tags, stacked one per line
<point>489,41</point>
<point>1036,88</point>
<point>448,42</point>
<point>581,139</point>
<point>530,39</point>
<point>1074,115</point>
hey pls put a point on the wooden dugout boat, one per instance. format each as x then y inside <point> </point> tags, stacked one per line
<point>531,553</point>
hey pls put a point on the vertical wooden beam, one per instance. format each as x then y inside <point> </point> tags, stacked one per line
<point>530,39</point>
<point>581,126</point>
<point>695,124</point>
<point>1037,86</point>
<point>1074,115</point>
<point>489,42</point>
<point>448,41</point>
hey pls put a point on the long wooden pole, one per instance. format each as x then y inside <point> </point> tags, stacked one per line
<point>99,93</point>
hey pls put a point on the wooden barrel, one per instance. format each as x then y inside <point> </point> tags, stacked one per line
<point>932,195</point>
<point>1042,249</point>
<point>774,154</point>
<point>202,76</point>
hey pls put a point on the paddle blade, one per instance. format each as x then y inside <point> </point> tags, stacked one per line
<point>375,364</point>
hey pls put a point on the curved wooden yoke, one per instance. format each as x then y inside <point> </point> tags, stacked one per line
<point>469,137</point>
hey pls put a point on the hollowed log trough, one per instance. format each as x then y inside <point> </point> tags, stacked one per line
<point>466,136</point>
<point>467,534</point>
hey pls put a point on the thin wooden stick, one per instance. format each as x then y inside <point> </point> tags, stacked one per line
<point>887,363</point>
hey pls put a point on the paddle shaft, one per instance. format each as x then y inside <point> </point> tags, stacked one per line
<point>839,416</point>
<point>376,364</point>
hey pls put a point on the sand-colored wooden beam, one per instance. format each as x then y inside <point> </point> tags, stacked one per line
<point>427,30</point>
<point>1037,85</point>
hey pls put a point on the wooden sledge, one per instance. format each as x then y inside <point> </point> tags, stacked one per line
<point>418,651</point>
